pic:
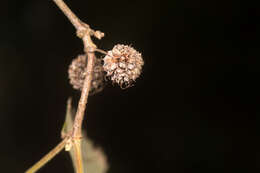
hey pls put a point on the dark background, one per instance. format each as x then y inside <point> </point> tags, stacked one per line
<point>195,107</point>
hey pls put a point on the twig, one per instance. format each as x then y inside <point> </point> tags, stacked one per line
<point>85,33</point>
<point>78,156</point>
<point>47,157</point>
<point>74,138</point>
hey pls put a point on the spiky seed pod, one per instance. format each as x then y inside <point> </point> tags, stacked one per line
<point>123,64</point>
<point>77,74</point>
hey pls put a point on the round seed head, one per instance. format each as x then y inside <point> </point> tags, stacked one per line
<point>123,65</point>
<point>77,74</point>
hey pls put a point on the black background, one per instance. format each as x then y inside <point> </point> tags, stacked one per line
<point>195,107</point>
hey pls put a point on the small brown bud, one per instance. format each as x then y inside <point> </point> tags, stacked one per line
<point>77,74</point>
<point>123,65</point>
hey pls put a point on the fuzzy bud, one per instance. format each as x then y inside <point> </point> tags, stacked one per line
<point>77,74</point>
<point>123,65</point>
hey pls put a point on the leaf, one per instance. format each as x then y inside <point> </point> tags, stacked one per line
<point>68,124</point>
<point>94,159</point>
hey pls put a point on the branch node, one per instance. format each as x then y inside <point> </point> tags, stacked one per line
<point>90,49</point>
<point>68,144</point>
<point>99,35</point>
<point>81,32</point>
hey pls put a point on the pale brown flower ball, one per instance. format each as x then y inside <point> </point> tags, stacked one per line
<point>123,64</point>
<point>77,74</point>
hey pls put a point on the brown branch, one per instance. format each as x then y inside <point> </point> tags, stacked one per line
<point>77,126</point>
<point>78,156</point>
<point>72,17</point>
<point>85,33</point>
<point>74,138</point>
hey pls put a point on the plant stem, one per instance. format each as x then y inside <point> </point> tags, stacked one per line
<point>78,156</point>
<point>77,126</point>
<point>76,22</point>
<point>47,157</point>
<point>85,33</point>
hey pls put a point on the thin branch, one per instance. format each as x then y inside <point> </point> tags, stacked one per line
<point>81,27</point>
<point>77,126</point>
<point>66,10</point>
<point>78,153</point>
<point>84,32</point>
<point>47,157</point>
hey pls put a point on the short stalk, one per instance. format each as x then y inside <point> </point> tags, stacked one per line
<point>47,157</point>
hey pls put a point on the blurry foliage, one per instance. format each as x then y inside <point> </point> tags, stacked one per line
<point>94,159</point>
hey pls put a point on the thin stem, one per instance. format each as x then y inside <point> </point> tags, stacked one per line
<point>47,157</point>
<point>77,126</point>
<point>84,32</point>
<point>76,22</point>
<point>101,51</point>
<point>78,154</point>
<point>81,27</point>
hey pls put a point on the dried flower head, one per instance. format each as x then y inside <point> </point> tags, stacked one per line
<point>123,65</point>
<point>77,74</point>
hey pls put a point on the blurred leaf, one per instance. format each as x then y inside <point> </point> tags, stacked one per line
<point>94,159</point>
<point>68,124</point>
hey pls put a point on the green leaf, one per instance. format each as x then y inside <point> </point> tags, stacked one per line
<point>94,159</point>
<point>68,124</point>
